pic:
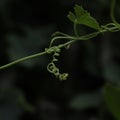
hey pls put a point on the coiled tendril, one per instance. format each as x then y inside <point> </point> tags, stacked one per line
<point>51,67</point>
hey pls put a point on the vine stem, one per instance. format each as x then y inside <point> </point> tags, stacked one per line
<point>113,2</point>
<point>114,28</point>
<point>60,37</point>
<point>21,60</point>
<point>112,10</point>
<point>75,28</point>
<point>31,56</point>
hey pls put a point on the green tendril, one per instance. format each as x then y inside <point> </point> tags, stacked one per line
<point>75,28</point>
<point>107,27</point>
<point>51,67</point>
<point>113,2</point>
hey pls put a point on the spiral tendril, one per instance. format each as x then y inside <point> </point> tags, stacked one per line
<point>51,67</point>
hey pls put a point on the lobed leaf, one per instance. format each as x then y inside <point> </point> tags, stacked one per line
<point>83,17</point>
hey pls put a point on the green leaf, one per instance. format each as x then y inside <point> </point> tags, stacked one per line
<point>83,17</point>
<point>112,99</point>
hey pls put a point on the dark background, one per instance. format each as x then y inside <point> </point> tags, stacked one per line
<point>27,90</point>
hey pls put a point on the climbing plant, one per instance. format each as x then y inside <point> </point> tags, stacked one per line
<point>80,17</point>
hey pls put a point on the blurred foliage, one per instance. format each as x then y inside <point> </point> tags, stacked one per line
<point>28,91</point>
<point>112,98</point>
<point>12,104</point>
<point>32,42</point>
<point>85,101</point>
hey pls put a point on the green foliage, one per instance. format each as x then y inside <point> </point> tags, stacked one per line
<point>81,16</point>
<point>112,99</point>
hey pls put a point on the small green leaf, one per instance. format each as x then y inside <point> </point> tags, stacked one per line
<point>71,16</point>
<point>83,17</point>
<point>112,99</point>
